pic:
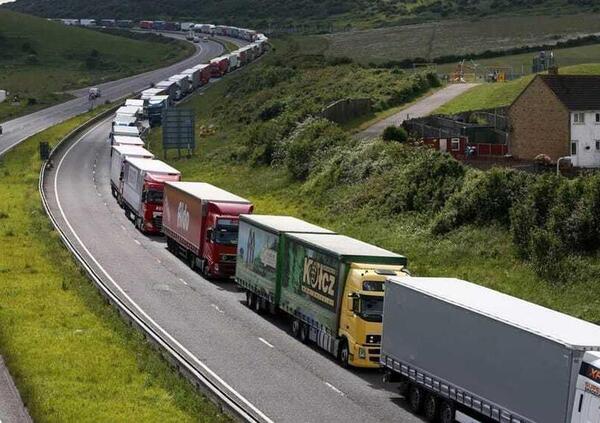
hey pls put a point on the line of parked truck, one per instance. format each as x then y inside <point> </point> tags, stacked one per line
<point>456,350</point>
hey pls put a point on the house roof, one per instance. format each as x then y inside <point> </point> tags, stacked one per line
<point>576,92</point>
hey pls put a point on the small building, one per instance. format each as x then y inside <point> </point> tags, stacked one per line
<point>557,115</point>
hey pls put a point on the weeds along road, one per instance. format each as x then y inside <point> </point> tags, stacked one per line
<point>275,374</point>
<point>421,108</point>
<point>19,129</point>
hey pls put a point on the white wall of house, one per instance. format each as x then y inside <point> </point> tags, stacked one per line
<point>585,139</point>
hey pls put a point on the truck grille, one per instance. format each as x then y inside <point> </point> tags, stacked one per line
<point>157,222</point>
<point>374,351</point>
<point>228,258</point>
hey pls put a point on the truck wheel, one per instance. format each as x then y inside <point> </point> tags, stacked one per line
<point>430,408</point>
<point>304,329</point>
<point>139,225</point>
<point>344,353</point>
<point>447,413</point>
<point>415,399</point>
<point>249,299</point>
<point>296,328</point>
<point>257,303</point>
<point>113,192</point>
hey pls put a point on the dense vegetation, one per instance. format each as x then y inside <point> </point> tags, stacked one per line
<point>72,356</point>
<point>263,12</point>
<point>40,60</point>
<point>505,229</point>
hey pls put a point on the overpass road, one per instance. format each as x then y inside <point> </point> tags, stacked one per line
<point>19,129</point>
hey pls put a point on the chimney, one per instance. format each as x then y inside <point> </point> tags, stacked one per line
<point>553,70</point>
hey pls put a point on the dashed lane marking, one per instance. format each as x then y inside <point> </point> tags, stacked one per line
<point>264,341</point>
<point>216,307</point>
<point>334,389</point>
<point>137,242</point>
<point>183,282</point>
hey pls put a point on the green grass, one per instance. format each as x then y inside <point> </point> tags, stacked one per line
<point>42,60</point>
<point>487,96</point>
<point>451,37</point>
<point>72,357</point>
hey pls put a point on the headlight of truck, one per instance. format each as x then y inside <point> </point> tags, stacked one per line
<point>362,353</point>
<point>373,339</point>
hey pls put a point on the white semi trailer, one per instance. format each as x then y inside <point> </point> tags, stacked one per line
<point>465,352</point>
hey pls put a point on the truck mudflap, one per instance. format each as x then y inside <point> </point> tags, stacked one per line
<point>444,389</point>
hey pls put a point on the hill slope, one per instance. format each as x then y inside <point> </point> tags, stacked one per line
<point>40,60</point>
<point>263,12</point>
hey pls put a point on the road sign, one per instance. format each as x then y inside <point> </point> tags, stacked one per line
<point>178,129</point>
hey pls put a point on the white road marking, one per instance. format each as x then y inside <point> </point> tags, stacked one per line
<point>157,260</point>
<point>335,389</point>
<point>137,242</point>
<point>264,341</point>
<point>123,227</point>
<point>216,307</point>
<point>130,300</point>
<point>183,282</point>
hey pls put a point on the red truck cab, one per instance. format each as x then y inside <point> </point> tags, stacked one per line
<point>143,189</point>
<point>201,223</point>
<point>219,66</point>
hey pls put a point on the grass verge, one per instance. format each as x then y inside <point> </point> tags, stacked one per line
<point>71,355</point>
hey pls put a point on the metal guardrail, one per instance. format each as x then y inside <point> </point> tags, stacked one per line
<point>220,395</point>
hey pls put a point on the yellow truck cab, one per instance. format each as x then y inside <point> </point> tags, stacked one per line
<point>362,313</point>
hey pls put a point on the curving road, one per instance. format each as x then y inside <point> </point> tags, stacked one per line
<point>279,377</point>
<point>19,129</point>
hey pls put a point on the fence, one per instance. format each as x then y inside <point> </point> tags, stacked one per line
<point>345,110</point>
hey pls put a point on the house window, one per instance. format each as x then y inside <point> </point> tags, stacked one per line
<point>455,144</point>
<point>579,117</point>
<point>573,148</point>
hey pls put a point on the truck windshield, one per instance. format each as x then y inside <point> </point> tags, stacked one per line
<point>371,308</point>
<point>154,196</point>
<point>226,234</point>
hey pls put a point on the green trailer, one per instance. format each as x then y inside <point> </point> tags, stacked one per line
<point>260,242</point>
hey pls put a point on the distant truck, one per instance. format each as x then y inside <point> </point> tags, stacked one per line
<point>330,285</point>
<point>205,73</point>
<point>124,131</point>
<point>117,161</point>
<point>219,66</point>
<point>121,120</point>
<point>201,225</point>
<point>134,102</point>
<point>129,111</point>
<point>143,187</point>
<point>194,77</point>
<point>170,88</point>
<point>94,93</point>
<point>465,352</point>
<point>154,109</point>
<point>183,84</point>
<point>126,140</point>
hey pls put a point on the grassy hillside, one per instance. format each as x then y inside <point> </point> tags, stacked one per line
<point>458,37</point>
<point>488,96</point>
<point>414,201</point>
<point>40,60</point>
<point>262,13</point>
<point>72,356</point>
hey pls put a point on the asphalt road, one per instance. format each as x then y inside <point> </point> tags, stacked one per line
<point>11,406</point>
<point>17,130</point>
<point>421,108</point>
<point>280,377</point>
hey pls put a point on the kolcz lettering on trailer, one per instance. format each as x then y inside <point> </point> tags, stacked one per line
<point>318,281</point>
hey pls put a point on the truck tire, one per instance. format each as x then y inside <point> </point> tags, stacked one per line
<point>344,353</point>
<point>415,399</point>
<point>447,413</point>
<point>249,299</point>
<point>257,303</point>
<point>430,408</point>
<point>295,330</point>
<point>113,192</point>
<point>139,224</point>
<point>304,330</point>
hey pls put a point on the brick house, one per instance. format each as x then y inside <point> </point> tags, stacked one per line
<point>557,115</point>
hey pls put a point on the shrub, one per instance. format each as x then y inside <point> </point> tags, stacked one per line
<point>485,197</point>
<point>395,133</point>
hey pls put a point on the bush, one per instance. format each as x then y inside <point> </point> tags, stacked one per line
<point>309,143</point>
<point>485,197</point>
<point>395,133</point>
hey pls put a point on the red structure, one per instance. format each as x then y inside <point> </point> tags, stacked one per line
<point>459,146</point>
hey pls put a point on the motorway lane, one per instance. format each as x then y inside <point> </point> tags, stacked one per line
<point>19,129</point>
<point>286,380</point>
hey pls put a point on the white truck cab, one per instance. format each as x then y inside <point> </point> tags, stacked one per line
<point>586,407</point>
